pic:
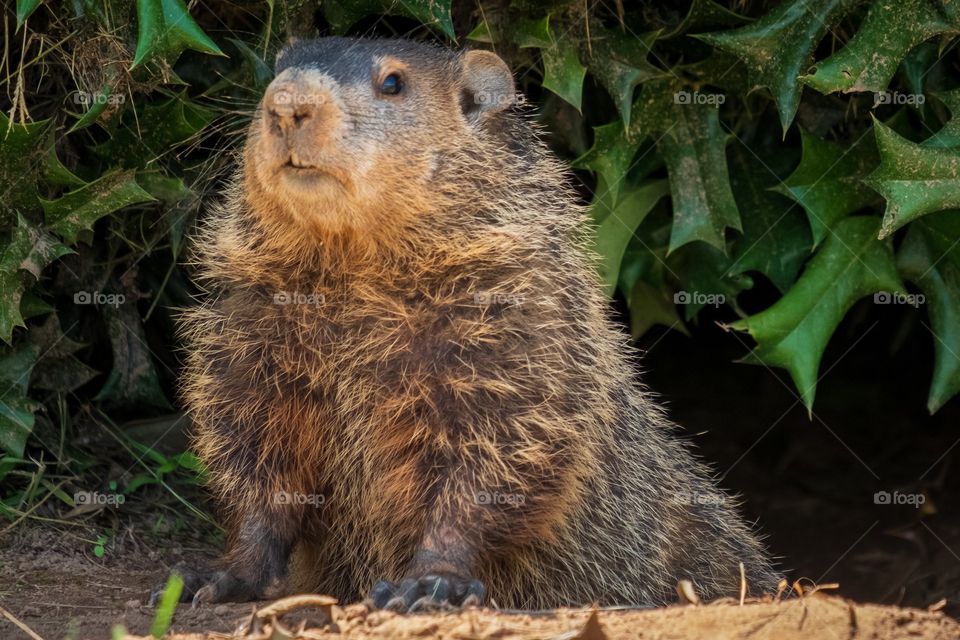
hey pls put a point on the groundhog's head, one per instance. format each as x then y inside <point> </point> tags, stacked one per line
<point>351,133</point>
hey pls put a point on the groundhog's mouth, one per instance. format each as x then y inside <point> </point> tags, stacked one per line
<point>301,175</point>
<point>290,164</point>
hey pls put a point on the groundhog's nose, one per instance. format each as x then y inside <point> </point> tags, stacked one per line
<point>289,106</point>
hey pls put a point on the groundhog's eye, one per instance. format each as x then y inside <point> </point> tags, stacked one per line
<point>391,85</point>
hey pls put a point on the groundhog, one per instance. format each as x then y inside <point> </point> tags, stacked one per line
<point>404,377</point>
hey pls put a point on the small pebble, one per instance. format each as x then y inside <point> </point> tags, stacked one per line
<point>221,610</point>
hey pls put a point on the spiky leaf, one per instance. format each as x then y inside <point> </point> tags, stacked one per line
<point>16,408</point>
<point>692,143</point>
<point>948,136</point>
<point>776,237</point>
<point>706,14</point>
<point>930,257</point>
<point>563,73</point>
<point>890,30</point>
<point>165,29</point>
<point>778,47</point>
<point>343,15</point>
<point>142,137</point>
<point>28,251</point>
<point>24,9</point>
<point>619,63</point>
<point>613,234</point>
<point>22,148</point>
<point>79,209</point>
<point>704,278</point>
<point>793,333</point>
<point>610,156</point>
<point>828,181</point>
<point>914,179</point>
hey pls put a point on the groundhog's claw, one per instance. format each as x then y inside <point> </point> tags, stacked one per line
<point>428,593</point>
<point>207,586</point>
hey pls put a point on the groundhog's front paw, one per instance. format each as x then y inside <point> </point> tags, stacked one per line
<point>427,593</point>
<point>206,585</point>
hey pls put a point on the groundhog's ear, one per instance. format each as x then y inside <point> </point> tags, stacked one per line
<point>487,85</point>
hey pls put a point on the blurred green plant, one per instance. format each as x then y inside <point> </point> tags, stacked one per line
<point>807,148</point>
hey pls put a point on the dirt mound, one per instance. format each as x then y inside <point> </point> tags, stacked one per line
<point>814,617</point>
<point>57,590</point>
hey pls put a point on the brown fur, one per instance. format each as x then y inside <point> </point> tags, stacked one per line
<point>458,344</point>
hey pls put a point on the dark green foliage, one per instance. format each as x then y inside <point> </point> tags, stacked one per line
<point>804,143</point>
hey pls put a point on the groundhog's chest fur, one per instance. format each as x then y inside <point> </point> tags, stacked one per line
<point>366,376</point>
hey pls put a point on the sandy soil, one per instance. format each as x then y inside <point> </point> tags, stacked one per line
<point>814,617</point>
<point>58,593</point>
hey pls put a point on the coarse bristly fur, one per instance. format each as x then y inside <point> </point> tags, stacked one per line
<point>404,364</point>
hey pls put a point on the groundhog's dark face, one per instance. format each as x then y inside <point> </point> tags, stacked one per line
<point>350,133</point>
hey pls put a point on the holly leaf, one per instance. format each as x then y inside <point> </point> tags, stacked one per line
<point>11,292</point>
<point>828,181</point>
<point>619,63</point>
<point>706,14</point>
<point>55,173</point>
<point>948,136</point>
<point>776,237</point>
<point>780,45</point>
<point>705,279</point>
<point>643,276</point>
<point>16,408</point>
<point>613,234</point>
<point>22,148</point>
<point>917,64</point>
<point>436,13</point>
<point>79,209</point>
<point>257,73</point>
<point>887,34</point>
<point>57,369</point>
<point>930,258</point>
<point>793,333</point>
<point>482,33</point>
<point>24,9</point>
<point>30,249</point>
<point>97,104</point>
<point>563,73</point>
<point>692,143</point>
<point>165,28</point>
<point>144,136</point>
<point>649,307</point>
<point>610,157</point>
<point>914,179</point>
<point>532,34</point>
